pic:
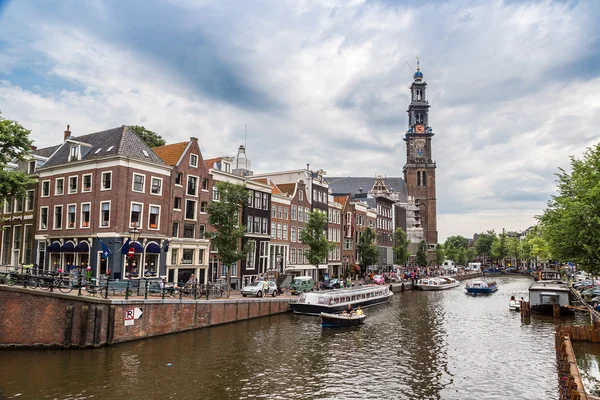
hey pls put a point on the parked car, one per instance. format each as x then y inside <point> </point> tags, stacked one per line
<point>260,289</point>
<point>331,284</point>
<point>302,284</point>
<point>580,276</point>
<point>378,279</point>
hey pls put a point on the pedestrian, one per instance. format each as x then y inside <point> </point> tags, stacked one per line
<point>348,282</point>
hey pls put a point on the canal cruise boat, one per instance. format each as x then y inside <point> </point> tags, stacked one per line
<point>337,300</point>
<point>548,291</point>
<point>481,287</point>
<point>438,283</point>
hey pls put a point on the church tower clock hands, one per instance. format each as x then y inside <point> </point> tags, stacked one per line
<point>419,170</point>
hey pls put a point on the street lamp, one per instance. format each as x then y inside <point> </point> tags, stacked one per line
<point>134,235</point>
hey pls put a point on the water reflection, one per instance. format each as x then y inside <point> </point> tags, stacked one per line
<point>588,361</point>
<point>438,345</point>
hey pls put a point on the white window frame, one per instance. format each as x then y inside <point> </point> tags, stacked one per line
<point>187,179</point>
<point>157,220</point>
<point>195,210</point>
<point>29,169</point>
<point>175,179</point>
<point>42,189</point>
<point>81,215</point>
<point>54,217</point>
<point>175,208</point>
<point>83,183</point>
<point>139,225</point>
<point>67,215</point>
<point>56,186</point>
<point>192,155</point>
<point>76,184</point>
<point>285,231</point>
<point>143,183</point>
<point>102,188</point>
<point>47,218</point>
<point>100,214</point>
<point>152,178</point>
<point>29,207</point>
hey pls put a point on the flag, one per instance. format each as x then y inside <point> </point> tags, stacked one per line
<point>125,247</point>
<point>105,250</point>
<point>166,247</point>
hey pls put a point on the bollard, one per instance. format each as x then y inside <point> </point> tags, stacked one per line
<point>180,291</point>
<point>402,287</point>
<point>206,292</point>
<point>127,290</point>
<point>146,292</point>
<point>80,285</point>
<point>194,286</point>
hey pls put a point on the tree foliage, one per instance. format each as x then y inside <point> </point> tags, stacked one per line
<point>483,246</point>
<point>440,255</point>
<point>151,138</point>
<point>15,145</point>
<point>422,254</point>
<point>367,249</point>
<point>499,250</point>
<point>314,236</point>
<point>571,221</point>
<point>224,216</point>
<point>471,254</point>
<point>400,249</point>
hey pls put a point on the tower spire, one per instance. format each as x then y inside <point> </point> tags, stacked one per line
<point>418,68</point>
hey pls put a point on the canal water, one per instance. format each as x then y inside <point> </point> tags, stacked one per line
<point>423,345</point>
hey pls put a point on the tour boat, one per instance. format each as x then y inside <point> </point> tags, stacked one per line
<point>337,300</point>
<point>514,305</point>
<point>340,320</point>
<point>438,283</point>
<point>548,291</point>
<point>481,287</point>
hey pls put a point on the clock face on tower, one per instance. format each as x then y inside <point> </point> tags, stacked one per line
<point>419,128</point>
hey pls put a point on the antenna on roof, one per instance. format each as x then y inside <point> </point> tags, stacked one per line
<point>245,135</point>
<point>409,66</point>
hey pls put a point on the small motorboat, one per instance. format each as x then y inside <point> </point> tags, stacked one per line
<point>341,320</point>
<point>481,287</point>
<point>514,305</point>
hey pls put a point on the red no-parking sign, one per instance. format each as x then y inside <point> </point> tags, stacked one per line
<point>131,252</point>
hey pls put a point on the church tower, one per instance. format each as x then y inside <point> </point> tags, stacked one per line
<point>419,171</point>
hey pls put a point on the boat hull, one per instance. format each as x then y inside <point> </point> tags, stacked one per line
<point>481,290</point>
<point>547,309</point>
<point>441,287</point>
<point>338,321</point>
<point>317,309</point>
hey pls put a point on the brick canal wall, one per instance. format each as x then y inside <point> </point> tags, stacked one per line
<point>32,318</point>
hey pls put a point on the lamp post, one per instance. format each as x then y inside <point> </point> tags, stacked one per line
<point>134,235</point>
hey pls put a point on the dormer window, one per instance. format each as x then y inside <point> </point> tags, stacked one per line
<point>31,167</point>
<point>75,153</point>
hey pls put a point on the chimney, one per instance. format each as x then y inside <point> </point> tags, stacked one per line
<point>194,139</point>
<point>67,133</point>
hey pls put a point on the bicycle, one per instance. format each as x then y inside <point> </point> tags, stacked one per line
<point>106,292</point>
<point>13,278</point>
<point>55,282</point>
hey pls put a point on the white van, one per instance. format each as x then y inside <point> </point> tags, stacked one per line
<point>449,266</point>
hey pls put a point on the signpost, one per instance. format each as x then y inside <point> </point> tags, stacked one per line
<point>131,314</point>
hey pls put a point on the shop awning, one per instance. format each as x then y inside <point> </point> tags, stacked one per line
<point>300,267</point>
<point>136,246</point>
<point>68,247</point>
<point>53,248</point>
<point>153,248</point>
<point>82,247</point>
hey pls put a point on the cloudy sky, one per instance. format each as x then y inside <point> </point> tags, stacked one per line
<point>514,86</point>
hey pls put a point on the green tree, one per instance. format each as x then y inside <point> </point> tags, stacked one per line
<point>451,252</point>
<point>422,254</point>
<point>570,223</point>
<point>400,248</point>
<point>471,254</point>
<point>440,255</point>
<point>484,242</point>
<point>224,216</point>
<point>513,248</point>
<point>499,250</point>
<point>458,242</point>
<point>367,249</point>
<point>15,145</point>
<point>151,138</point>
<point>461,256</point>
<point>313,235</point>
<point>525,250</point>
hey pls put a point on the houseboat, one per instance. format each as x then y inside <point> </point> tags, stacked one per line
<point>337,300</point>
<point>438,283</point>
<point>481,287</point>
<point>548,291</point>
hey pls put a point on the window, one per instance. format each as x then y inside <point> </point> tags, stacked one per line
<point>204,207</point>
<point>45,188</point>
<point>215,193</point>
<point>71,210</point>
<point>105,213</point>
<point>174,255</point>
<point>58,213</point>
<point>107,180</point>
<point>87,183</point>
<point>154,217</point>
<point>348,245</point>
<point>189,230</point>
<point>418,178</point>
<point>175,229</point>
<point>74,153</point>
<point>44,218</point>
<point>190,209</point>
<point>85,215</point>
<point>31,167</point>
<point>177,203</point>
<point>60,186</point>
<point>265,226</point>
<point>145,153</point>
<point>300,257</point>
<point>19,204</point>
<point>273,231</point>
<point>192,186</point>
<point>249,224</point>
<point>178,178</point>
<point>285,231</point>
<point>28,249</point>
<point>205,184</point>
<point>300,214</point>
<point>265,201</point>
<point>300,195</point>
<point>274,212</point>
<point>29,200</point>
<point>293,233</point>
<point>285,213</point>
<point>202,231</point>
<point>251,256</point>
<point>306,215</point>
<point>72,184</point>
<point>299,235</point>
<point>201,256</point>
<point>278,231</point>
<point>294,210</point>
<point>188,256</point>
<point>279,212</point>
<point>156,186</point>
<point>257,200</point>
<point>138,182</point>
<point>257,221</point>
<point>193,160</point>
<point>136,214</point>
<point>292,256</point>
<point>424,180</point>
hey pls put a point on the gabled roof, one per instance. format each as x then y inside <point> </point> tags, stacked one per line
<point>356,185</point>
<point>288,188</point>
<point>46,151</point>
<point>121,141</point>
<point>171,153</point>
<point>210,163</point>
<point>341,199</point>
